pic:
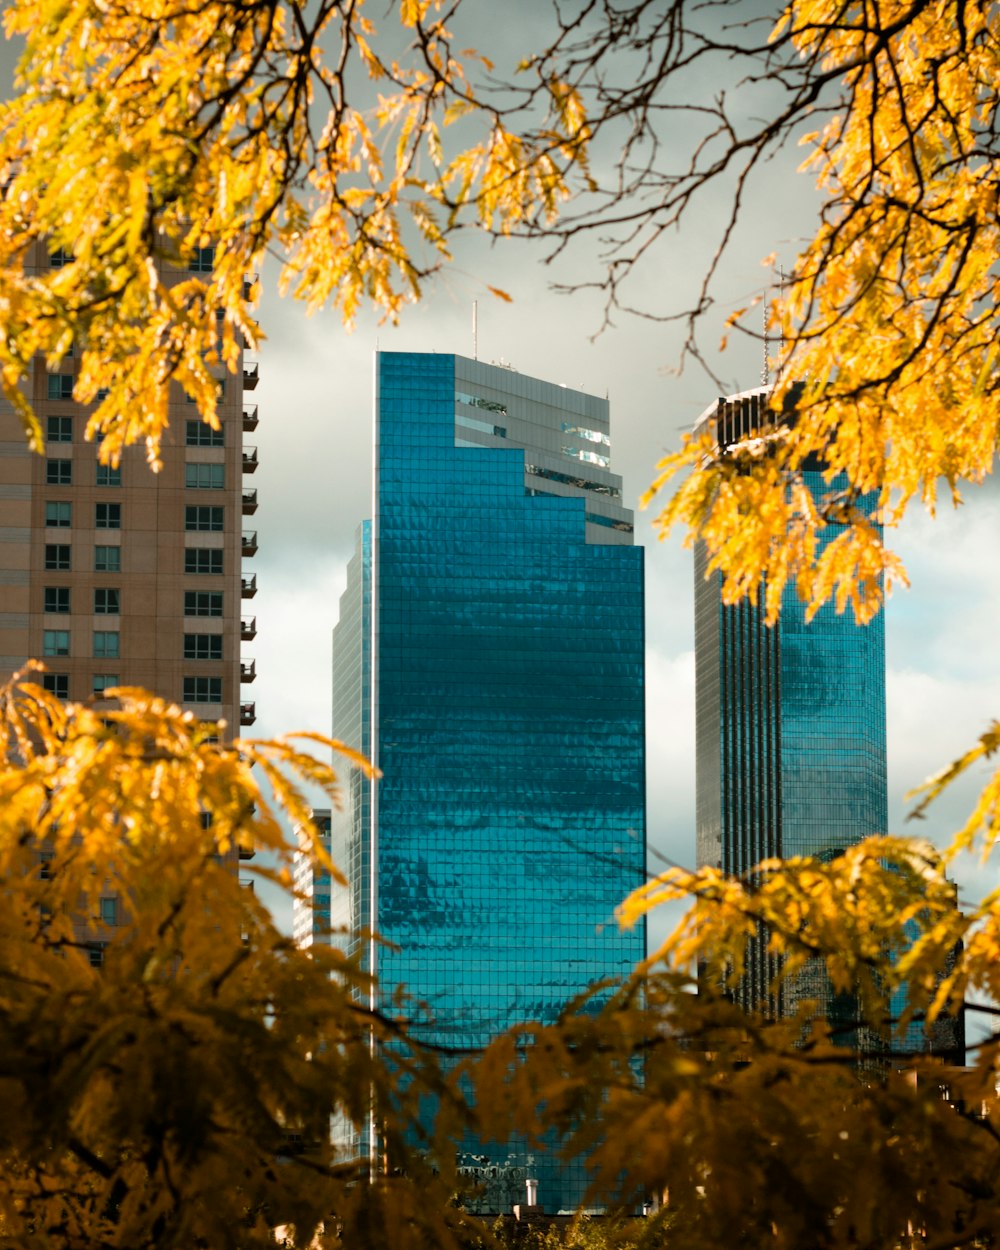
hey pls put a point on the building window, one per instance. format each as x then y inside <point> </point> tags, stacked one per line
<point>201,435</point>
<point>59,429</point>
<point>203,646</point>
<point>59,472</point>
<point>202,689</point>
<point>108,516</point>
<point>109,475</point>
<point>107,559</point>
<point>202,260</point>
<point>57,555</point>
<point>200,517</point>
<point>60,386</point>
<point>106,644</point>
<point>58,515</point>
<point>205,476</point>
<point>60,257</point>
<point>57,684</point>
<point>45,865</point>
<point>107,602</point>
<point>57,599</point>
<point>109,911</point>
<point>55,642</point>
<point>202,560</point>
<point>95,954</point>
<point>203,603</point>
<point>104,681</point>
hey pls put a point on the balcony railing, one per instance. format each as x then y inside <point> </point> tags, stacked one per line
<point>248,628</point>
<point>250,420</point>
<point>249,542</point>
<point>251,375</point>
<point>248,672</point>
<point>248,713</point>
<point>250,501</point>
<point>249,587</point>
<point>249,459</point>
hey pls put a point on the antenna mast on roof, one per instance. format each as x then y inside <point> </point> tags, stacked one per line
<point>765,376</point>
<point>781,343</point>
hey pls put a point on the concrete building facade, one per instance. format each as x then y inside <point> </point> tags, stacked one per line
<point>122,576</point>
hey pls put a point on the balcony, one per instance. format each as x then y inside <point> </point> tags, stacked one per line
<point>248,672</point>
<point>248,713</point>
<point>251,375</point>
<point>250,501</point>
<point>250,421</point>
<point>247,852</point>
<point>249,587</point>
<point>249,282</point>
<point>249,542</point>
<point>249,459</point>
<point>248,628</point>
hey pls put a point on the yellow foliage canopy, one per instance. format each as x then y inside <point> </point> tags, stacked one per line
<point>180,1094</point>
<point>144,130</point>
<point>177,1092</point>
<point>890,318</point>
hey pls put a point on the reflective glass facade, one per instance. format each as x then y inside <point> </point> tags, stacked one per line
<point>489,656</point>
<point>791,756</point>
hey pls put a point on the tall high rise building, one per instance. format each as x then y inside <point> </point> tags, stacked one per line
<point>119,576</point>
<point>791,751</point>
<point>791,748</point>
<point>489,659</point>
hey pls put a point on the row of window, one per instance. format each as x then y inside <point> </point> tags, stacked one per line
<point>205,476</point>
<point>108,516</point>
<point>106,644</point>
<point>203,603</point>
<point>59,514</point>
<point>204,517</point>
<point>196,433</point>
<point>106,559</point>
<point>196,689</point>
<point>60,386</point>
<point>203,560</point>
<point>58,683</point>
<point>107,601</point>
<point>201,260</point>
<point>60,473</point>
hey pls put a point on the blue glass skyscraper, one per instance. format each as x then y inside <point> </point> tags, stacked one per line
<point>791,747</point>
<point>489,659</point>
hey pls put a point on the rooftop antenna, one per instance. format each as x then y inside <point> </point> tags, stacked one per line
<point>781,342</point>
<point>475,329</point>
<point>765,376</point>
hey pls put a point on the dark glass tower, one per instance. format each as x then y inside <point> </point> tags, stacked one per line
<point>489,658</point>
<point>791,753</point>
